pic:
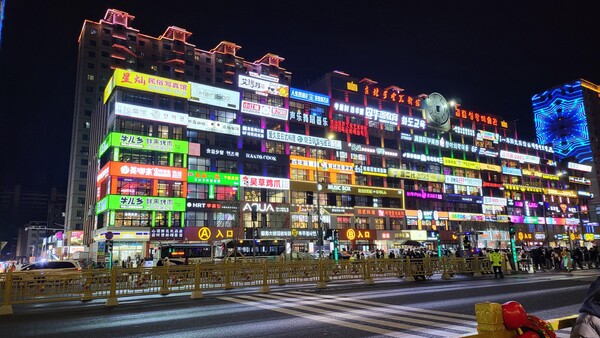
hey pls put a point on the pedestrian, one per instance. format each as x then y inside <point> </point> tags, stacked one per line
<point>496,259</point>
<point>588,322</point>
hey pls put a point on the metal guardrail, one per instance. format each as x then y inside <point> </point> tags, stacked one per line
<point>35,287</point>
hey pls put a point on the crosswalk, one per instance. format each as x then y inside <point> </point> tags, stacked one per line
<point>375,318</point>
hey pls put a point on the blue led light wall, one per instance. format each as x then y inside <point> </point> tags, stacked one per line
<point>560,120</point>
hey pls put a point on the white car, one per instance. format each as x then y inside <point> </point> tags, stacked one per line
<point>61,272</point>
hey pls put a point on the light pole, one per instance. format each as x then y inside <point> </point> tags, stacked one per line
<point>546,237</point>
<point>319,225</point>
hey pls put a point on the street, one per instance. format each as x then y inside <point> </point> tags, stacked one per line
<point>391,307</point>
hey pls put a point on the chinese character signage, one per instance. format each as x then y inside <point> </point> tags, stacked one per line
<point>121,169</point>
<point>214,96</point>
<point>152,114</point>
<point>263,87</point>
<point>147,83</point>
<point>322,142</point>
<point>425,195</point>
<point>342,107</point>
<point>162,233</point>
<point>213,126</point>
<point>221,152</point>
<point>415,175</point>
<point>122,202</point>
<point>453,162</point>
<point>378,212</point>
<point>521,158</point>
<point>393,94</point>
<point>264,182</point>
<point>288,233</point>
<point>357,235</point>
<point>210,234</point>
<point>264,110</point>
<point>381,116</point>
<point>477,117</point>
<point>348,127</point>
<point>142,142</point>
<point>303,95</point>
<point>309,118</point>
<point>207,177</point>
<point>253,131</point>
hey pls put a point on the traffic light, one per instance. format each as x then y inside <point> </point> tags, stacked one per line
<point>109,245</point>
<point>511,229</point>
<point>336,237</point>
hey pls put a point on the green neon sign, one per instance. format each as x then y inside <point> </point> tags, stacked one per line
<point>142,142</point>
<point>146,203</point>
<point>207,177</point>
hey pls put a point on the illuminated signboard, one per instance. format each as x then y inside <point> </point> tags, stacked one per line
<point>147,83</point>
<point>487,135</point>
<point>210,234</point>
<point>144,171</point>
<point>556,192</point>
<point>263,87</point>
<point>348,127</point>
<point>263,207</point>
<point>288,233</point>
<point>463,131</point>
<point>463,216</point>
<point>494,201</point>
<point>317,120</point>
<point>392,94</point>
<point>521,158</point>
<point>275,135</point>
<point>220,152</point>
<point>413,122</point>
<point>479,118</point>
<point>457,198</point>
<point>361,148</point>
<point>207,177</point>
<point>527,144</point>
<point>461,163</point>
<point>491,167</point>
<point>264,110</point>
<point>523,188</point>
<point>580,167</point>
<point>253,131</point>
<point>579,180</point>
<point>213,126</point>
<point>120,202</point>
<point>307,96</point>
<point>378,212</point>
<point>533,173</point>
<point>162,233</point>
<point>264,182</point>
<point>323,165</point>
<point>475,182</point>
<point>152,114</point>
<point>424,195</point>
<point>357,234</point>
<point>214,96</point>
<point>511,171</point>
<point>423,157</point>
<point>362,190</point>
<point>343,107</point>
<point>370,170</point>
<point>142,142</point>
<point>381,116</point>
<point>492,184</point>
<point>415,175</point>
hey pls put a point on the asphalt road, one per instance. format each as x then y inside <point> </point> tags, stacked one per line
<point>391,307</point>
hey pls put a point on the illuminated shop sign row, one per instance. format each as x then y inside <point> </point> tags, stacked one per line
<point>343,107</point>
<point>463,198</point>
<point>206,205</point>
<point>348,127</point>
<point>162,233</point>
<point>216,151</point>
<point>263,207</point>
<point>511,171</point>
<point>564,193</point>
<point>211,234</point>
<point>142,203</point>
<point>500,201</point>
<point>523,188</point>
<point>303,95</point>
<point>321,164</point>
<point>527,144</point>
<point>381,116</point>
<point>147,83</point>
<point>263,87</point>
<point>287,233</point>
<point>393,94</point>
<point>488,152</point>
<point>303,139</point>
<point>487,135</point>
<point>253,131</point>
<point>538,174</point>
<point>370,170</point>
<point>379,212</point>
<point>142,142</point>
<point>361,190</point>
<point>579,180</point>
<point>424,195</point>
<point>464,131</point>
<point>141,171</point>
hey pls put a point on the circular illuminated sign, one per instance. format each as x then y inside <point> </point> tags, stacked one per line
<point>351,234</point>
<point>204,234</point>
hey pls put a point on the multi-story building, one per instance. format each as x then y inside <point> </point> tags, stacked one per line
<point>208,150</point>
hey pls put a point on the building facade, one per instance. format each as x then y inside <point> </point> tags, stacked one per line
<point>203,147</point>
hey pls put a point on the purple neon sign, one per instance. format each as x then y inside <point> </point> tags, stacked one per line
<point>423,194</point>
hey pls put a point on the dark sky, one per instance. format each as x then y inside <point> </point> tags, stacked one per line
<point>492,56</point>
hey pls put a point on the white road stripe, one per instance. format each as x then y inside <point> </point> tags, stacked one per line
<point>320,318</point>
<point>378,311</point>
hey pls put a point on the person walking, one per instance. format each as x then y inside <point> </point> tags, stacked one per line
<point>496,259</point>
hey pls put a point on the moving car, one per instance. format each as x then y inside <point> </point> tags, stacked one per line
<point>56,272</point>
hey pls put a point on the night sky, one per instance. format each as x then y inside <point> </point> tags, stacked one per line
<point>492,57</point>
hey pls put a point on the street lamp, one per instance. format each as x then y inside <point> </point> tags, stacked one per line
<point>330,136</point>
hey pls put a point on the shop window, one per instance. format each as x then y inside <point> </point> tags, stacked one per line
<point>197,191</point>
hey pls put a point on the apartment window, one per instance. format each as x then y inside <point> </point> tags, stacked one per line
<point>163,131</point>
<point>198,163</point>
<point>133,127</point>
<point>92,54</point>
<point>226,166</point>
<point>82,174</point>
<point>164,103</point>
<point>104,54</point>
<point>142,43</point>
<point>86,125</point>
<point>199,191</point>
<point>134,186</point>
<point>80,201</point>
<point>133,218</point>
<point>83,162</point>
<point>87,112</point>
<point>93,43</point>
<point>89,89</point>
<point>91,65</point>
<point>196,219</point>
<point>82,187</point>
<point>93,31</point>
<point>90,77</point>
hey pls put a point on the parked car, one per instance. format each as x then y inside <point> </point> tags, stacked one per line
<point>49,272</point>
